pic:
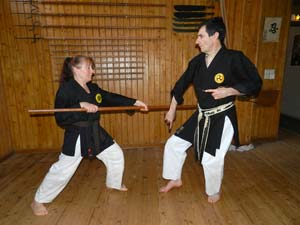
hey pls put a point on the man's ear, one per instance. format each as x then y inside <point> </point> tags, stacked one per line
<point>216,35</point>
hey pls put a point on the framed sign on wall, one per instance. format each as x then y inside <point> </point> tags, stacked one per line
<point>272,27</point>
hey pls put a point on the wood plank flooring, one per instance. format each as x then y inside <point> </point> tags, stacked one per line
<point>260,187</point>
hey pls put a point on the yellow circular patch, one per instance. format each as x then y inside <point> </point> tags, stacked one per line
<point>98,98</point>
<point>219,78</point>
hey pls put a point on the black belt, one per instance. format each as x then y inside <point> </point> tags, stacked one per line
<point>94,126</point>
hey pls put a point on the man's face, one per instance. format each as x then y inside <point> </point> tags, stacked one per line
<point>204,41</point>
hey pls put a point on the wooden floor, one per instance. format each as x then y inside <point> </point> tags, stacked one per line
<point>261,186</point>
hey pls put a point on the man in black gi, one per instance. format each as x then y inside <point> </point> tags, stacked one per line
<point>218,75</point>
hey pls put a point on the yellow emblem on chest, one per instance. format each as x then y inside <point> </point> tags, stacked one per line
<point>98,98</point>
<point>219,78</point>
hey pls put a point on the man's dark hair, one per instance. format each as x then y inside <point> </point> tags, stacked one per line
<point>214,25</point>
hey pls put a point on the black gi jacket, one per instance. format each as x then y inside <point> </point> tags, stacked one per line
<point>69,95</point>
<point>229,68</point>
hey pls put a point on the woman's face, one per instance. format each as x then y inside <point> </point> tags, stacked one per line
<point>85,71</point>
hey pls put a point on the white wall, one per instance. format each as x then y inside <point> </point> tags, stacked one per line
<point>290,104</point>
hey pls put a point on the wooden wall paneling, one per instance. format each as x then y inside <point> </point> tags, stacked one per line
<point>150,85</point>
<point>135,87</point>
<point>131,88</point>
<point>127,125</point>
<point>22,83</point>
<point>102,63</point>
<point>149,81</point>
<point>250,41</point>
<point>8,68</point>
<point>144,89</point>
<point>109,120</point>
<point>165,71</point>
<point>50,91</point>
<point>250,29</point>
<point>11,70</point>
<point>17,132</point>
<point>29,85</point>
<point>140,87</point>
<point>163,96</point>
<point>245,30</point>
<point>34,77</point>
<point>277,62</point>
<point>5,134</point>
<point>128,87</point>
<point>37,97</point>
<point>271,55</point>
<point>157,81</point>
<point>124,120</point>
<point>49,134</point>
<point>234,15</point>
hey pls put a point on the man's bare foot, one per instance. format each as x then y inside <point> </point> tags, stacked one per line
<point>122,188</point>
<point>170,185</point>
<point>38,209</point>
<point>214,198</point>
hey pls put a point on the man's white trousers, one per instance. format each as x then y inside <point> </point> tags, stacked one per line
<point>213,166</point>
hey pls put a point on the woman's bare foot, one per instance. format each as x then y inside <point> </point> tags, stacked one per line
<point>170,185</point>
<point>214,198</point>
<point>38,209</point>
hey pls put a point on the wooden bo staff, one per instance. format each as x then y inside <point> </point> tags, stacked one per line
<point>112,109</point>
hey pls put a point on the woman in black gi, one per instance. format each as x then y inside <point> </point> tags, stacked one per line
<point>83,137</point>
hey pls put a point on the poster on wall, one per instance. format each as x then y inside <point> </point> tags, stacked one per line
<point>272,29</point>
<point>296,51</point>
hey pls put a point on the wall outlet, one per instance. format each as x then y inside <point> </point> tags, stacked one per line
<point>269,74</point>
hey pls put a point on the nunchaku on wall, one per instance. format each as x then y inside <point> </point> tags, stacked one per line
<point>186,18</point>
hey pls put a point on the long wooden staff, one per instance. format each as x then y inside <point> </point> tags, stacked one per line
<point>111,109</point>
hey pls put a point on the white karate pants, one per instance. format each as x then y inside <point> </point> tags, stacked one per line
<point>213,166</point>
<point>62,171</point>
